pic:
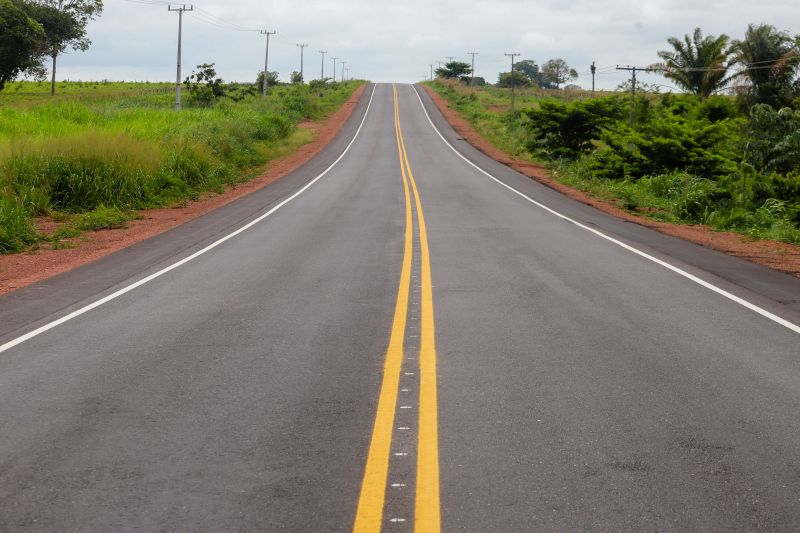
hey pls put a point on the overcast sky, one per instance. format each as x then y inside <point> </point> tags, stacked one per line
<point>396,41</point>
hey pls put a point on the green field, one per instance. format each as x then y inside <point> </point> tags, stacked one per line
<point>686,160</point>
<point>97,152</point>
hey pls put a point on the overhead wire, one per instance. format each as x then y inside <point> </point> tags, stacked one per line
<point>217,21</point>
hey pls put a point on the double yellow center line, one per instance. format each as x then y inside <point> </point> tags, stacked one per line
<point>369,515</point>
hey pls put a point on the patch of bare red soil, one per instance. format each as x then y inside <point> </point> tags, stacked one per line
<point>777,255</point>
<point>20,270</point>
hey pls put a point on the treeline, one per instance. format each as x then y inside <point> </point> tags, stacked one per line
<point>527,73</point>
<point>761,67</point>
<point>33,32</point>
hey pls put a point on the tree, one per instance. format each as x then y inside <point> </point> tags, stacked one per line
<point>520,80</point>
<point>454,69</point>
<point>296,78</point>
<point>769,58</point>
<point>204,86</point>
<point>272,78</point>
<point>69,34</point>
<point>697,64</point>
<point>531,70</point>
<point>20,42</point>
<point>556,71</point>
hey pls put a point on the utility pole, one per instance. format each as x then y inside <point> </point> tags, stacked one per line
<point>633,71</point>
<point>180,11</point>
<point>342,63</point>
<point>301,46</point>
<point>322,73</point>
<point>513,80</point>
<point>266,62</point>
<point>593,69</point>
<point>472,78</point>
<point>348,74</point>
<point>334,68</point>
<point>432,71</point>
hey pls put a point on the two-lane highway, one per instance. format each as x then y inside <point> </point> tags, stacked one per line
<point>404,336</point>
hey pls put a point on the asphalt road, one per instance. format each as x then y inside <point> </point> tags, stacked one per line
<point>403,343</point>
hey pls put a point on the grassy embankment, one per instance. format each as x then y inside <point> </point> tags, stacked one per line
<point>99,151</point>
<point>685,161</point>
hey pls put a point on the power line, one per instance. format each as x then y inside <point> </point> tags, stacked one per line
<point>220,22</point>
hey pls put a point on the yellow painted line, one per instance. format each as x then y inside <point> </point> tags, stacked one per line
<point>369,515</point>
<point>427,516</point>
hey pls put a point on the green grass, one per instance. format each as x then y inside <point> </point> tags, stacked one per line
<point>129,150</point>
<point>22,94</point>
<point>675,197</point>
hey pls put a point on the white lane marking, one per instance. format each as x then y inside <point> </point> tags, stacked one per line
<point>405,407</point>
<point>400,454</point>
<point>398,485</point>
<point>722,292</point>
<point>396,520</point>
<point>83,310</point>
<point>404,428</point>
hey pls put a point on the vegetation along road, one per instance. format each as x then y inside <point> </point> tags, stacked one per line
<point>403,334</point>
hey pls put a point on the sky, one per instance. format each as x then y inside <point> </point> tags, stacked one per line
<point>136,40</point>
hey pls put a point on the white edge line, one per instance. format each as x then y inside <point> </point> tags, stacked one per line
<point>744,303</point>
<point>83,310</point>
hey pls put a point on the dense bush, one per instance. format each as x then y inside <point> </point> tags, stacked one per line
<point>675,133</point>
<point>686,159</point>
<point>568,129</point>
<point>773,139</point>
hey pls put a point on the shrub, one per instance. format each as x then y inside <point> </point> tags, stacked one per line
<point>773,139</point>
<point>101,218</point>
<point>567,130</point>
<point>16,230</point>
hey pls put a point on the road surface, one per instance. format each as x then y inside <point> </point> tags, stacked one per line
<point>403,335</point>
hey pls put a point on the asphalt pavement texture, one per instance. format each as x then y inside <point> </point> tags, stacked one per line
<point>581,386</point>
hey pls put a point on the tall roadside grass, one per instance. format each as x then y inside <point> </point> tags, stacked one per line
<point>75,158</point>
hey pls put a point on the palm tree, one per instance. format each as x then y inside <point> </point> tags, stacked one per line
<point>698,64</point>
<point>770,59</point>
